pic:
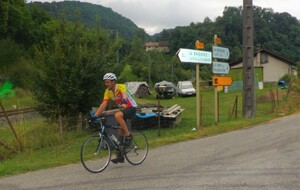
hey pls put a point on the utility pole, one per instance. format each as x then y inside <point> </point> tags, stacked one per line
<point>149,65</point>
<point>216,91</point>
<point>249,103</point>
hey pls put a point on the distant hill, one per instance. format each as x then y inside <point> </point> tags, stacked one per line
<point>88,15</point>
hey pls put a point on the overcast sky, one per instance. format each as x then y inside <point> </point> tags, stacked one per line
<point>156,15</point>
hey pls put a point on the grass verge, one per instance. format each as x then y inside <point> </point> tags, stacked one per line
<point>45,147</point>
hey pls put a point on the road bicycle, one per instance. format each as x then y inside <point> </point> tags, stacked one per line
<point>97,150</point>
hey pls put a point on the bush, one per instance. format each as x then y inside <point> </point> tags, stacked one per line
<point>288,78</point>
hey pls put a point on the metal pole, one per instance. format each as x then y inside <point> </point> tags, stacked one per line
<point>172,73</point>
<point>158,115</point>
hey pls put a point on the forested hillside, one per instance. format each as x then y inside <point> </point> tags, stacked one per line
<point>89,14</point>
<point>277,32</point>
<point>61,57</point>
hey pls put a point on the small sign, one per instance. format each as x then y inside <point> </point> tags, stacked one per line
<point>220,68</point>
<point>199,45</point>
<point>220,52</point>
<point>194,56</point>
<point>221,81</point>
<point>218,40</point>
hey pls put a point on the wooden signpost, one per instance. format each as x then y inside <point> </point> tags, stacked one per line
<point>220,68</point>
<point>197,57</point>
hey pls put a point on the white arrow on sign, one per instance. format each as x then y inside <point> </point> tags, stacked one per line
<point>220,52</point>
<point>220,68</point>
<point>194,56</point>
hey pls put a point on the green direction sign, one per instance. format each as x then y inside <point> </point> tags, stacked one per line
<point>194,56</point>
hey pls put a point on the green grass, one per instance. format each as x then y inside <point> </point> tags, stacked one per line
<point>44,147</point>
<point>21,99</point>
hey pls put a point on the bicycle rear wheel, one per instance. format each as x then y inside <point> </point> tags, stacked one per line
<point>137,151</point>
<point>95,154</point>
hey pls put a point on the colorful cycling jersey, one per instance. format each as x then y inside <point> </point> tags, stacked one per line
<point>116,96</point>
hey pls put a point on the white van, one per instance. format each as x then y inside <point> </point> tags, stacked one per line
<point>185,88</point>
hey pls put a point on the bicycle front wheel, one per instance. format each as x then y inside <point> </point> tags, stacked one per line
<point>137,151</point>
<point>95,154</point>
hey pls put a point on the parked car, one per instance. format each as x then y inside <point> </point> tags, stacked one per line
<point>185,88</point>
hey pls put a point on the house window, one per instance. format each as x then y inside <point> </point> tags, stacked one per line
<point>264,58</point>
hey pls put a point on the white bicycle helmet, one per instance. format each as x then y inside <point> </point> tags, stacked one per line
<point>109,76</point>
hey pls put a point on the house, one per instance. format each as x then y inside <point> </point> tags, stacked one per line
<point>162,46</point>
<point>269,66</point>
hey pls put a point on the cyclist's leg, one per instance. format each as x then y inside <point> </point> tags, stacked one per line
<point>121,117</point>
<point>122,123</point>
<point>120,150</point>
<point>129,113</point>
<point>119,158</point>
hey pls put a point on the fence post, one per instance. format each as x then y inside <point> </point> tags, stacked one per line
<point>201,110</point>
<point>236,105</point>
<point>277,97</point>
<point>12,128</point>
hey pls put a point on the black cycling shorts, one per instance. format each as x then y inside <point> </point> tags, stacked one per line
<point>129,113</point>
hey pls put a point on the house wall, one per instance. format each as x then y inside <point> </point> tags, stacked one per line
<point>273,70</point>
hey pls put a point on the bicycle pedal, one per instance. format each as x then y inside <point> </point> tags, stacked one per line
<point>121,151</point>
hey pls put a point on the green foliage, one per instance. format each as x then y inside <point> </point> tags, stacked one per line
<point>288,78</point>
<point>12,61</point>
<point>298,68</point>
<point>21,98</point>
<point>88,14</point>
<point>237,74</point>
<point>16,36</point>
<point>127,75</point>
<point>10,53</point>
<point>44,146</point>
<point>205,72</point>
<point>69,71</point>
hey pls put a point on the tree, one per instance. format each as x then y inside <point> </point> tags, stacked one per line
<point>127,75</point>
<point>69,71</point>
<point>298,69</point>
<point>12,60</point>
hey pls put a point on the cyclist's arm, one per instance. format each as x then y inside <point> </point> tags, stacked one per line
<point>124,100</point>
<point>101,108</point>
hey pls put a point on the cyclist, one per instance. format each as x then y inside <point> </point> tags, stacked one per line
<point>120,95</point>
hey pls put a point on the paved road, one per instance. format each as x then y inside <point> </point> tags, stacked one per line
<point>261,157</point>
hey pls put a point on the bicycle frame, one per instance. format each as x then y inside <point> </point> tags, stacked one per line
<point>103,134</point>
